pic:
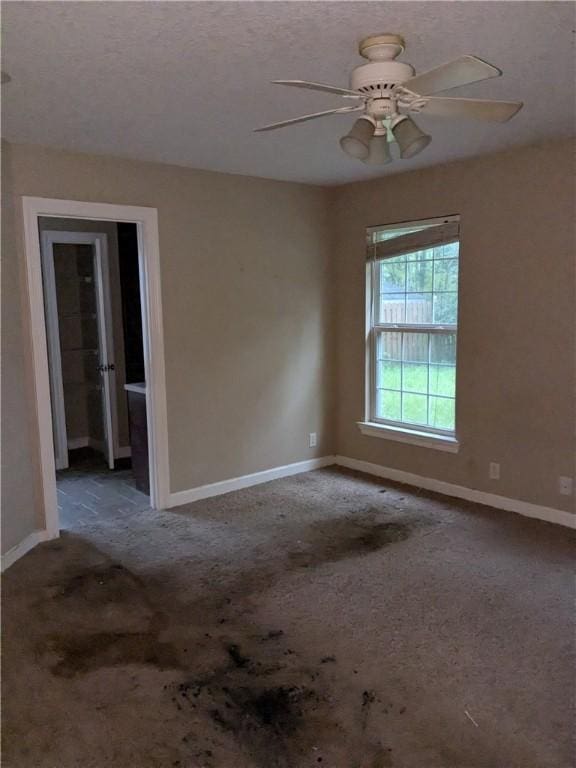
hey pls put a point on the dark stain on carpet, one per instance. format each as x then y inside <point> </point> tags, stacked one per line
<point>108,619</point>
<point>100,583</point>
<point>273,723</point>
<point>85,653</point>
<point>333,540</point>
<point>239,683</point>
<point>236,656</point>
<point>245,685</point>
<point>278,709</point>
<point>368,699</point>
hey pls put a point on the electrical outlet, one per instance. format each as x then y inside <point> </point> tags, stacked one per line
<point>312,439</point>
<point>565,485</point>
<point>494,471</point>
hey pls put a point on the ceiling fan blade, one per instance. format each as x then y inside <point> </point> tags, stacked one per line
<point>461,71</point>
<point>320,87</point>
<point>476,109</point>
<point>304,118</point>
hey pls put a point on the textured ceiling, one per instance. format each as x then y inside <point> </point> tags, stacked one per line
<point>186,83</point>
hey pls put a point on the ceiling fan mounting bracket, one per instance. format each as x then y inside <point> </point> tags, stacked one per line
<point>384,47</point>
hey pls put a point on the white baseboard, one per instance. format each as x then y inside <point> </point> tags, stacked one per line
<point>548,514</point>
<point>85,442</point>
<point>236,483</point>
<point>36,537</point>
<point>78,442</point>
<point>123,452</point>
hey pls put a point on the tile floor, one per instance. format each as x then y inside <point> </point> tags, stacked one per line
<point>88,490</point>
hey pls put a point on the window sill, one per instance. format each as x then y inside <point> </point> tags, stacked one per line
<point>410,436</point>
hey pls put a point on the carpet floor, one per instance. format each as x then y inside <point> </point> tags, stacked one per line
<point>327,620</point>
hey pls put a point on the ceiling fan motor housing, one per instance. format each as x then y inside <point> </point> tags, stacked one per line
<point>380,76</point>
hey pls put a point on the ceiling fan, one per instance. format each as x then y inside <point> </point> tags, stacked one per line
<point>387,92</point>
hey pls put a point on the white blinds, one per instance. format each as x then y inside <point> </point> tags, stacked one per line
<point>440,234</point>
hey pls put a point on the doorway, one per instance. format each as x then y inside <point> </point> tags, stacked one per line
<point>91,294</point>
<point>82,256</point>
<point>81,349</point>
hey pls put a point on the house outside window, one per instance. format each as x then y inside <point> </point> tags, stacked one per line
<point>412,325</point>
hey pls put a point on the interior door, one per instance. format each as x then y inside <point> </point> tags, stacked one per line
<point>54,355</point>
<point>99,384</point>
<point>106,367</point>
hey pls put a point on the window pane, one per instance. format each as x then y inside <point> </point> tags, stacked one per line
<point>449,251</point>
<point>445,306</point>
<point>446,275</point>
<point>392,307</point>
<point>419,255</point>
<point>392,276</point>
<point>415,370</point>
<point>415,377</point>
<point>389,346</point>
<point>388,405</point>
<point>389,375</point>
<point>419,276</point>
<point>442,380</point>
<point>443,348</point>
<point>415,347</point>
<point>441,412</point>
<point>414,409</point>
<point>418,308</point>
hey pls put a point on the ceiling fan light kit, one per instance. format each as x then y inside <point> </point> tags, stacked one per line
<point>411,139</point>
<point>388,92</point>
<point>356,143</point>
<point>379,151</point>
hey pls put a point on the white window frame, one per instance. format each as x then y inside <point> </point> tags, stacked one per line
<point>373,426</point>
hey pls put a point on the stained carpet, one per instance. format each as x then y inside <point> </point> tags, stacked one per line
<point>324,620</point>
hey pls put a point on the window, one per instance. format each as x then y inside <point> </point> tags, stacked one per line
<point>412,326</point>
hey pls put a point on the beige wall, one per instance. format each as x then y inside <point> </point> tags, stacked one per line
<point>516,376</point>
<point>252,303</point>
<point>246,290</point>
<point>21,510</point>
<point>110,230</point>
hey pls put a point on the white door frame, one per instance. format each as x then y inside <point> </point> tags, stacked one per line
<point>99,243</point>
<point>146,220</point>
